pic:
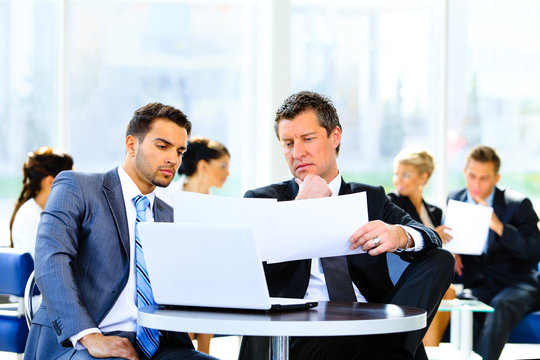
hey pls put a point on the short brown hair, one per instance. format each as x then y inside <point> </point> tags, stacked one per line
<point>143,118</point>
<point>308,100</point>
<point>484,154</point>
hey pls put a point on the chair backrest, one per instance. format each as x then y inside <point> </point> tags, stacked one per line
<point>15,268</point>
<point>32,299</point>
<point>16,265</point>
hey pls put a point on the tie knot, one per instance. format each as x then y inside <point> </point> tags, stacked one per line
<point>141,202</point>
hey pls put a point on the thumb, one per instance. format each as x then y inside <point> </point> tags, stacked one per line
<point>298,181</point>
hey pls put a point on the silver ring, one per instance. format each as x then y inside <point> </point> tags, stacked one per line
<point>376,241</point>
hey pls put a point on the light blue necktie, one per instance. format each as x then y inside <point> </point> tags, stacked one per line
<point>147,338</point>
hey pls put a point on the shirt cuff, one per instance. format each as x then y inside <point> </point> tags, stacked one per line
<point>417,237</point>
<point>75,338</point>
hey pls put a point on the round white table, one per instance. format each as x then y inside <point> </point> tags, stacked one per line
<point>327,319</point>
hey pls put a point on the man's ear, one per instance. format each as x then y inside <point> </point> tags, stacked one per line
<point>131,145</point>
<point>335,136</point>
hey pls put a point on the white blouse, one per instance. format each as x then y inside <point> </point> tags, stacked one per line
<point>25,226</point>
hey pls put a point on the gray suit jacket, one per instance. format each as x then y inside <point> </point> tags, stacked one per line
<point>82,258</point>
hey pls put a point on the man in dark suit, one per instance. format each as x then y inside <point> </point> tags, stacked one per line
<point>505,275</point>
<point>309,131</point>
<point>86,246</point>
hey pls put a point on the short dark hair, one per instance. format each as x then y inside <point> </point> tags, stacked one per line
<point>142,119</point>
<point>308,100</point>
<point>201,148</point>
<point>484,154</point>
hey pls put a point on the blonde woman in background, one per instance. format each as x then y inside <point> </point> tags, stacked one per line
<point>413,167</point>
<point>39,171</point>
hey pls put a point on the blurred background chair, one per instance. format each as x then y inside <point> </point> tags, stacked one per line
<point>528,330</point>
<point>15,267</point>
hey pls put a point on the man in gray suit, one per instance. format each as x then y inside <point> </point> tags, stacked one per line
<point>85,252</point>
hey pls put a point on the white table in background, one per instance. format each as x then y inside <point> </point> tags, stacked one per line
<point>461,325</point>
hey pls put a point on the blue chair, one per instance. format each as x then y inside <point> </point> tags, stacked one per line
<point>15,268</point>
<point>528,330</point>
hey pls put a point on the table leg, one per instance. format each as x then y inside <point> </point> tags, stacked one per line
<point>466,333</point>
<point>455,329</point>
<point>279,348</point>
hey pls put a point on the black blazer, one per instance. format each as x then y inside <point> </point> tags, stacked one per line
<point>369,273</point>
<point>434,212</point>
<point>513,257</point>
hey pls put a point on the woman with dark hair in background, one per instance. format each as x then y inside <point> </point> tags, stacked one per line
<point>205,164</point>
<point>413,167</point>
<point>39,171</point>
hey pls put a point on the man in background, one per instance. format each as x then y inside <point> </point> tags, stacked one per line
<point>505,275</point>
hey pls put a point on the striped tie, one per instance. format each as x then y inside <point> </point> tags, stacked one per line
<point>147,339</point>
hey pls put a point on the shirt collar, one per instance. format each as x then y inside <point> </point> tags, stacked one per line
<point>130,189</point>
<point>489,199</point>
<point>335,184</point>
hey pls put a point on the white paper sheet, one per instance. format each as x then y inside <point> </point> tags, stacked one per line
<point>470,227</point>
<point>286,230</point>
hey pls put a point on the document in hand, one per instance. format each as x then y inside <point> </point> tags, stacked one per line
<point>470,227</point>
<point>286,230</point>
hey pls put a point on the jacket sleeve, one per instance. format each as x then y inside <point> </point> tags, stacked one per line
<point>56,258</point>
<point>521,236</point>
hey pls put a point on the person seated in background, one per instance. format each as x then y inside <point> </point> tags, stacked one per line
<point>205,164</point>
<point>505,276</point>
<point>413,167</point>
<point>39,170</point>
<point>308,128</point>
<point>90,264</point>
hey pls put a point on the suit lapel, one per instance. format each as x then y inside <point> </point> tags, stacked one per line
<point>345,188</point>
<point>161,213</point>
<point>292,191</point>
<point>112,190</point>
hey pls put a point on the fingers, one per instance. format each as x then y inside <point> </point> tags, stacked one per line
<point>443,234</point>
<point>363,238</point>
<point>312,187</point>
<point>364,233</point>
<point>101,346</point>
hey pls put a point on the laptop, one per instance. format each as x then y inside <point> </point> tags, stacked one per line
<point>202,265</point>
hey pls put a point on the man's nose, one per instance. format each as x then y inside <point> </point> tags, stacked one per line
<point>173,158</point>
<point>299,150</point>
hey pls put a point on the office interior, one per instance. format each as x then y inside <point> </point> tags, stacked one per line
<point>446,74</point>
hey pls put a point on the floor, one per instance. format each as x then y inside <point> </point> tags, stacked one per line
<point>226,348</point>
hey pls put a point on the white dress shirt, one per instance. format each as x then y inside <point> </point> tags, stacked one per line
<point>123,314</point>
<point>25,226</point>
<point>317,290</point>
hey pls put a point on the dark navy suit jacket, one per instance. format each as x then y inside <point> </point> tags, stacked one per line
<point>434,212</point>
<point>369,273</point>
<point>513,257</point>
